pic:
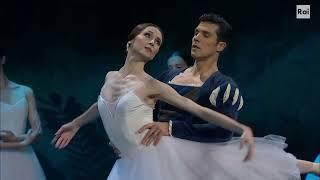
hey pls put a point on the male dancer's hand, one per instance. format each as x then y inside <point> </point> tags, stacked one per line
<point>155,131</point>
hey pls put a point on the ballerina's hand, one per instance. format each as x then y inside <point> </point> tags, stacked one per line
<point>247,139</point>
<point>65,134</point>
<point>8,136</point>
<point>28,138</point>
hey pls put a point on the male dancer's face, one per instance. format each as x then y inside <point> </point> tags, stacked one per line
<point>204,41</point>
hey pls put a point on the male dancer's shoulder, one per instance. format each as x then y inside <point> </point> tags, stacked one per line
<point>223,80</point>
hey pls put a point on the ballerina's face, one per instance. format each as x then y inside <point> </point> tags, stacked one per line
<point>147,42</point>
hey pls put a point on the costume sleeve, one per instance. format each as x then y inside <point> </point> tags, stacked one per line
<point>227,100</point>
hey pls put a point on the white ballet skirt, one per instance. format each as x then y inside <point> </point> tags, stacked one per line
<point>178,159</point>
<point>18,164</point>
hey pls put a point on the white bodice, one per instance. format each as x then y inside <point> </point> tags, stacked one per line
<point>122,119</point>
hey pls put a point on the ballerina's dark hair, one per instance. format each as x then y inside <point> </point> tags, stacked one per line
<point>140,27</point>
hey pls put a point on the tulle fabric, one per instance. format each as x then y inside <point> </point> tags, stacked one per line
<point>178,159</point>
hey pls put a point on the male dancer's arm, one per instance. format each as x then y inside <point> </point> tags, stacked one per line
<point>225,99</point>
<point>169,95</point>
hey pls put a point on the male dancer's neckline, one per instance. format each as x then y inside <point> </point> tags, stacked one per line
<point>191,85</point>
<point>204,73</point>
<point>204,68</point>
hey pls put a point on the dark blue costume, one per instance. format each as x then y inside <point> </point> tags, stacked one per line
<point>219,93</point>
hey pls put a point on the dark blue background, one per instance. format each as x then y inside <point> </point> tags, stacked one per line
<point>63,49</point>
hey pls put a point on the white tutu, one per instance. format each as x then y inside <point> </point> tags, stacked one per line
<point>177,159</point>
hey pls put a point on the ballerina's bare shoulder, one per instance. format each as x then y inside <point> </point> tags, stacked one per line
<point>116,85</point>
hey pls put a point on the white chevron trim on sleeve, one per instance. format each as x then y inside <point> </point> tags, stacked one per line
<point>235,96</point>
<point>214,95</point>
<point>226,93</point>
<point>241,103</point>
